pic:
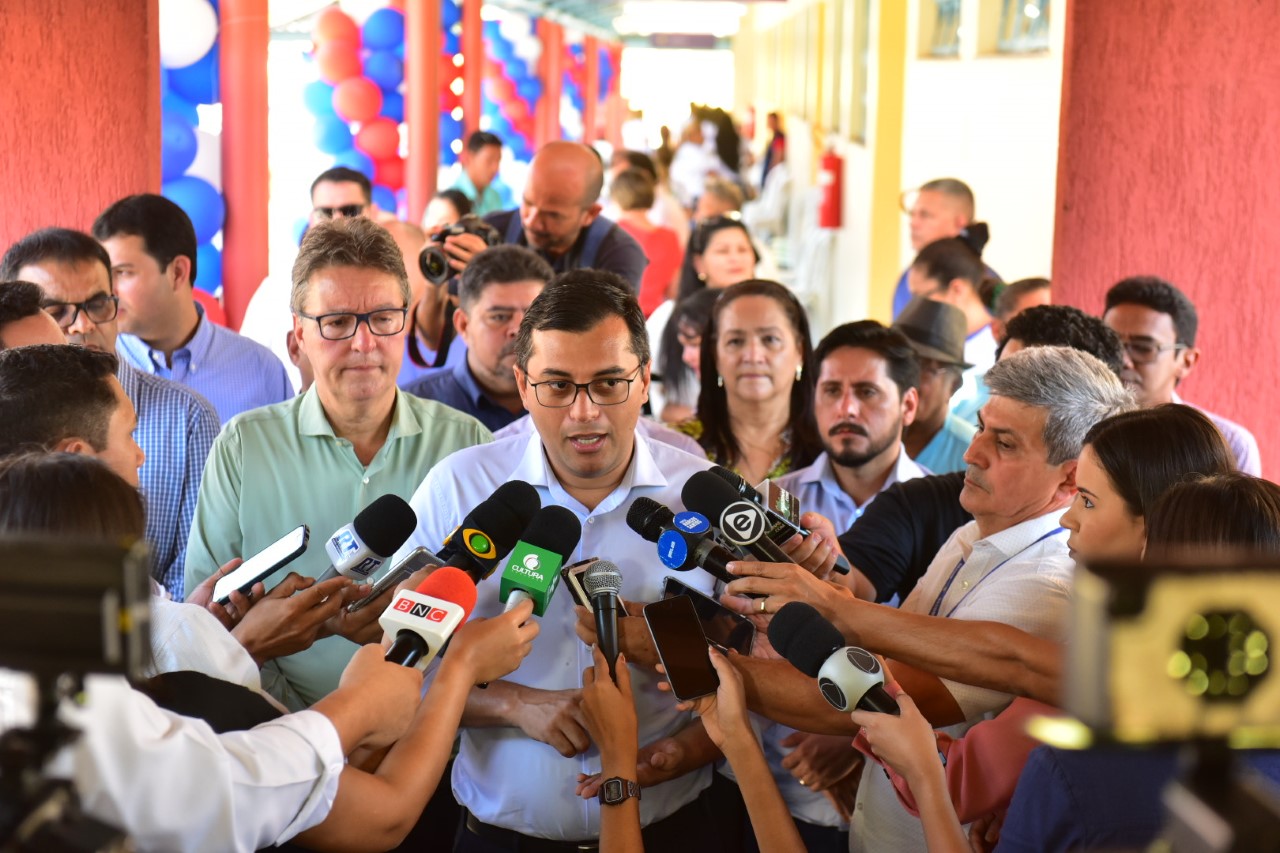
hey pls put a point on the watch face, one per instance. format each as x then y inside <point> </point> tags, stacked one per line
<point>613,790</point>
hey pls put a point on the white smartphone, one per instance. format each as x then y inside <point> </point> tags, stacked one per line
<point>263,564</point>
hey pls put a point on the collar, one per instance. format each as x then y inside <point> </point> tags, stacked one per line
<point>979,332</point>
<point>535,470</point>
<point>197,349</point>
<point>462,375</point>
<point>823,473</point>
<point>312,419</point>
<point>1021,536</point>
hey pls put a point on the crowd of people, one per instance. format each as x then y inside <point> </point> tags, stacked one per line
<point>958,463</point>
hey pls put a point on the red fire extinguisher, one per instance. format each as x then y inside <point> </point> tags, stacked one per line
<point>831,182</point>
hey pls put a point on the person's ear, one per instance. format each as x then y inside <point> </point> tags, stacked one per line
<point>180,271</point>
<point>589,215</point>
<point>522,386</point>
<point>1067,485</point>
<point>461,323</point>
<point>910,405</point>
<point>1186,361</point>
<point>75,445</point>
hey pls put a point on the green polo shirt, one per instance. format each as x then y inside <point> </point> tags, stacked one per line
<point>279,466</point>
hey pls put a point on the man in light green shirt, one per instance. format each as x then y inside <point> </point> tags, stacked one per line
<point>478,178</point>
<point>323,456</point>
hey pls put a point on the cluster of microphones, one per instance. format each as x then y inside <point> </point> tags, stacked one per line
<point>726,520</point>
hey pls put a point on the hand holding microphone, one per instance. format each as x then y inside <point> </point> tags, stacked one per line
<point>741,521</point>
<point>420,622</point>
<point>532,570</point>
<point>604,583</point>
<point>849,677</point>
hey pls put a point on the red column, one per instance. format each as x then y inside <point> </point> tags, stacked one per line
<point>422,101</point>
<point>615,106</point>
<point>591,89</point>
<point>70,74</point>
<point>551,70</point>
<point>245,176</point>
<point>1169,164</point>
<point>473,66</point>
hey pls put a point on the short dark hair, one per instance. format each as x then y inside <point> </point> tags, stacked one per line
<point>482,139</point>
<point>51,392</point>
<point>1224,513</point>
<point>693,310</point>
<point>343,175</point>
<point>18,301</point>
<point>1008,295</point>
<point>500,265</point>
<point>1158,295</point>
<point>951,258</point>
<point>633,189</point>
<point>60,245</point>
<point>953,187</point>
<point>578,301</point>
<point>635,160</point>
<point>164,227</point>
<point>890,344</point>
<point>1064,326</point>
<point>68,494</point>
<point>458,199</point>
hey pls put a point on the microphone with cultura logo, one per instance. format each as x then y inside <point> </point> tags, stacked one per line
<point>359,548</point>
<point>684,540</point>
<point>603,583</point>
<point>741,521</point>
<point>532,569</point>
<point>421,621</point>
<point>849,677</point>
<point>487,532</point>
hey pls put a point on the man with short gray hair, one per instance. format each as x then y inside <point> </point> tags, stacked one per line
<point>329,452</point>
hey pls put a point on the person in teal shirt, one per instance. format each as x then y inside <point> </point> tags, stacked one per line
<point>478,179</point>
<point>323,456</point>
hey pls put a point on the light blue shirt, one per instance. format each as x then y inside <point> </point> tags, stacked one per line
<point>231,371</point>
<point>504,777</point>
<point>945,451</point>
<point>497,196</point>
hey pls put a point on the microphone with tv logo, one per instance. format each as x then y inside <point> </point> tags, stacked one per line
<point>532,569</point>
<point>489,530</point>
<point>358,549</point>
<point>741,521</point>
<point>849,677</point>
<point>684,541</point>
<point>603,583</point>
<point>421,621</point>
<point>781,527</point>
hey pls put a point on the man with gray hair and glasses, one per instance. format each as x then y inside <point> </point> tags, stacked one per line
<point>323,456</point>
<point>1009,565</point>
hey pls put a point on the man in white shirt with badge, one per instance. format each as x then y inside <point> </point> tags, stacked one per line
<point>582,369</point>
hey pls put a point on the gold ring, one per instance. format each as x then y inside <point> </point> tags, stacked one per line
<point>802,782</point>
<point>762,601</point>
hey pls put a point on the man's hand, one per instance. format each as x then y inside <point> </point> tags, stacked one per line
<point>290,617</point>
<point>492,648</point>
<point>634,639</point>
<point>461,248</point>
<point>818,552</point>
<point>609,711</point>
<point>657,762</point>
<point>555,718</point>
<point>362,626</point>
<point>906,743</point>
<point>782,583</point>
<point>820,761</point>
<point>202,596</point>
<point>375,700</point>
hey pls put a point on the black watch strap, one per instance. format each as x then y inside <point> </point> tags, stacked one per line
<point>615,790</point>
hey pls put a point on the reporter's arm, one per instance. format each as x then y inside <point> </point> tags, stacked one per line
<point>610,715</point>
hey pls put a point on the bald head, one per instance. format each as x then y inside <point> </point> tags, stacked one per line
<point>561,196</point>
<point>570,162</point>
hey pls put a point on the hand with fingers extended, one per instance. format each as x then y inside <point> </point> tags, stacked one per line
<point>634,639</point>
<point>290,617</point>
<point>228,614</point>
<point>820,761</point>
<point>553,717</point>
<point>780,584</point>
<point>362,626</point>
<point>816,552</point>
<point>723,713</point>
<point>609,711</point>
<point>492,648</point>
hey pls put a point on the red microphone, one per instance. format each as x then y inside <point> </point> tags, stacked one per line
<point>420,622</point>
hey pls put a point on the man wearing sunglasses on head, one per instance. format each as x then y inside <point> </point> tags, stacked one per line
<point>176,426</point>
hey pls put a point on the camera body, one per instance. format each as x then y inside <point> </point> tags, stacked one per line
<point>433,261</point>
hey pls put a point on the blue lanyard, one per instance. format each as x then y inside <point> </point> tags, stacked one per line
<point>946,587</point>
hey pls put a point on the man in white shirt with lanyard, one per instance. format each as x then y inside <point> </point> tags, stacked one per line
<point>582,369</point>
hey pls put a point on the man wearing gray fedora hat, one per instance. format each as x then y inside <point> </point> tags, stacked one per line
<point>937,439</point>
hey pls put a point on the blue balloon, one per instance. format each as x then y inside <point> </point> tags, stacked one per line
<point>452,44</point>
<point>450,128</point>
<point>393,106</point>
<point>318,97</point>
<point>164,82</point>
<point>450,13</point>
<point>447,157</point>
<point>299,229</point>
<point>530,90</point>
<point>382,67</point>
<point>201,202</point>
<point>353,159</point>
<point>178,105</point>
<point>383,30</point>
<point>177,145</point>
<point>332,135</point>
<point>384,197</point>
<point>199,82</point>
<point>208,268</point>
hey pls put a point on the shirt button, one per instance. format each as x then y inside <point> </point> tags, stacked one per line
<point>591,521</point>
<point>963,584</point>
<point>366,482</point>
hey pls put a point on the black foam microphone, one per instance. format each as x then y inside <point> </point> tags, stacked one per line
<point>491,529</point>
<point>358,549</point>
<point>849,677</point>
<point>681,546</point>
<point>741,521</point>
<point>781,528</point>
<point>603,583</point>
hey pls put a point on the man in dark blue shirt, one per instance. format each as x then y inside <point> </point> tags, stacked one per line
<point>494,292</point>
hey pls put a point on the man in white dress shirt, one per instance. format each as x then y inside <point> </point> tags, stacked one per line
<point>582,368</point>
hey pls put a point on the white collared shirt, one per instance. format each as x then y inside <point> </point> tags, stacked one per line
<point>188,637</point>
<point>501,775</point>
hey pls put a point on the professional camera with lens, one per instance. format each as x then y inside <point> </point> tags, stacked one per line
<point>433,261</point>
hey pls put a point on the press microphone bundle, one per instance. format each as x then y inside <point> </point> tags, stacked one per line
<point>603,582</point>
<point>421,621</point>
<point>740,521</point>
<point>358,549</point>
<point>849,677</point>
<point>684,541</point>
<point>488,531</point>
<point>532,570</point>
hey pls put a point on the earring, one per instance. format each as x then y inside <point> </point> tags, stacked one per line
<point>719,381</point>
<point>799,371</point>
<point>702,276</point>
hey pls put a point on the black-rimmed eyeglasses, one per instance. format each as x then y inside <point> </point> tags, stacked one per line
<point>340,326</point>
<point>100,308</point>
<point>561,393</point>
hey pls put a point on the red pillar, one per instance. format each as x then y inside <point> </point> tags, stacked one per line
<point>551,70</point>
<point>1169,164</point>
<point>422,101</point>
<point>591,89</point>
<point>245,177</point>
<point>70,74</point>
<point>615,106</point>
<point>473,66</point>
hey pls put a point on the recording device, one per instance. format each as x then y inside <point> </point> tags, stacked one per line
<point>532,570</point>
<point>358,549</point>
<point>433,261</point>
<point>741,521</point>
<point>489,530</point>
<point>683,542</point>
<point>421,621</point>
<point>849,677</point>
<point>682,647</point>
<point>87,610</point>
<point>723,628</point>
<point>781,508</point>
<point>263,564</point>
<point>417,559</point>
<point>572,577</point>
<point>604,584</point>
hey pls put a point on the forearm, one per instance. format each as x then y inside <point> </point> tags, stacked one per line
<point>494,706</point>
<point>942,830</point>
<point>620,824</point>
<point>774,828</point>
<point>779,691</point>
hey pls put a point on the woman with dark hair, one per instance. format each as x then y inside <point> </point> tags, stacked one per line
<point>1229,511</point>
<point>68,495</point>
<point>445,208</point>
<point>679,353</point>
<point>755,406</point>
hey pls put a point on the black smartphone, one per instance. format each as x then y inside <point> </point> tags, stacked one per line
<point>723,628</point>
<point>682,647</point>
<point>418,558</point>
<point>572,577</point>
<point>263,564</point>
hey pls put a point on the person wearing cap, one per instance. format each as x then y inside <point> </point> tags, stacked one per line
<point>937,438</point>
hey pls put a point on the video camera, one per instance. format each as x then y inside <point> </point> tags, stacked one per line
<point>433,261</point>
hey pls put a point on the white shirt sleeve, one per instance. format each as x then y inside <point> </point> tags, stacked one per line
<point>175,785</point>
<point>188,637</point>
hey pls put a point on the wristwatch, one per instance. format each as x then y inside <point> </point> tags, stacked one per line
<point>617,790</point>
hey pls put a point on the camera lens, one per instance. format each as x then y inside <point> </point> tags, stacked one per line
<point>434,264</point>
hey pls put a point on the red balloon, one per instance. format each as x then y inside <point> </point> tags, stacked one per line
<point>504,91</point>
<point>335,25</point>
<point>517,110</point>
<point>389,173</point>
<point>449,101</point>
<point>380,139</point>
<point>338,61</point>
<point>357,99</point>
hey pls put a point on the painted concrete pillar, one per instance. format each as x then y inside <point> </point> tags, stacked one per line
<point>422,102</point>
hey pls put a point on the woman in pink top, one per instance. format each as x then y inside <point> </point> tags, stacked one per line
<point>633,191</point>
